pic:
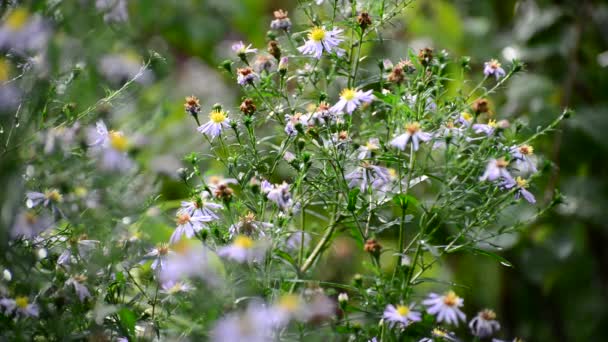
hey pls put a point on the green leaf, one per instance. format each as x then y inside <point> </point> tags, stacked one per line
<point>127,320</point>
<point>352,199</point>
<point>494,256</point>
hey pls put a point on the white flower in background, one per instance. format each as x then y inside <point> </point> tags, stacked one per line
<point>286,308</point>
<point>172,287</point>
<point>493,68</point>
<point>351,99</point>
<point>113,10</point>
<point>83,247</point>
<point>20,306</point>
<point>159,254</point>
<point>320,40</point>
<point>22,32</point>
<point>81,290</point>
<point>365,151</point>
<point>401,314</point>
<point>201,204</point>
<point>413,132</point>
<point>122,67</point>
<point>484,324</point>
<point>445,307</point>
<point>279,194</point>
<point>242,50</point>
<point>246,76</point>
<point>497,169</point>
<point>218,121</point>
<point>188,225</point>
<point>368,175</point>
<point>294,241</point>
<point>29,224</point>
<point>110,148</point>
<point>524,158</point>
<point>252,325</point>
<point>62,136</point>
<point>248,225</point>
<point>439,335</point>
<point>243,249</point>
<point>487,129</point>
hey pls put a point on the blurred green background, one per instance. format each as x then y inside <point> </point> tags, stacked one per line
<point>558,287</point>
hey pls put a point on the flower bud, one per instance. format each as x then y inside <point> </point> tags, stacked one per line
<point>364,20</point>
<point>283,65</point>
<point>227,65</point>
<point>274,49</point>
<point>6,275</point>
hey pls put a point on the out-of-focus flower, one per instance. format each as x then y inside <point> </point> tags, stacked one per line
<point>192,106</point>
<point>188,225</point>
<point>293,121</point>
<point>401,314</point>
<point>252,325</point>
<point>493,68</point>
<point>188,262</point>
<point>286,308</point>
<point>243,50</point>
<point>366,151</point>
<point>23,32</point>
<point>172,287</point>
<point>368,175</point>
<point>413,132</point>
<point>445,307</point>
<point>201,204</point>
<point>246,76</point>
<point>160,254</point>
<point>320,40</point>
<point>110,148</point>
<point>62,136</point>
<point>82,246</point>
<point>218,121</point>
<point>521,191</point>
<point>248,225</point>
<point>248,107</point>
<point>279,194</point>
<point>49,197</point>
<point>497,169</point>
<point>81,290</point>
<point>113,10</point>
<point>438,334</point>
<point>487,129</point>
<point>283,65</point>
<point>120,68</point>
<point>281,21</point>
<point>20,306</point>
<point>243,249</point>
<point>298,239</point>
<point>484,324</point>
<point>465,119</point>
<point>29,224</point>
<point>524,158</point>
<point>351,99</point>
<point>481,106</point>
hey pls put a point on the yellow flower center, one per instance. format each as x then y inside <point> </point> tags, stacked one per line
<point>348,94</point>
<point>526,149</point>
<point>21,302</point>
<point>17,19</point>
<point>80,191</point>
<point>183,219</point>
<point>371,146</point>
<point>217,116</point>
<point>163,249</point>
<point>450,299</point>
<point>118,141</point>
<point>53,195</point>
<point>175,288</point>
<point>438,333</point>
<point>289,302</point>
<point>502,163</point>
<point>494,64</point>
<point>5,69</point>
<point>317,34</point>
<point>403,310</point>
<point>243,241</point>
<point>466,116</point>
<point>412,127</point>
<point>392,172</point>
<point>492,123</point>
<point>522,183</point>
<point>488,315</point>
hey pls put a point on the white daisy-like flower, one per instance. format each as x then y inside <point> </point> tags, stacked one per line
<point>49,196</point>
<point>413,132</point>
<point>445,307</point>
<point>81,290</point>
<point>497,169</point>
<point>243,249</point>
<point>493,68</point>
<point>202,205</point>
<point>368,175</point>
<point>248,225</point>
<point>401,314</point>
<point>110,148</point>
<point>524,158</point>
<point>171,287</point>
<point>365,151</point>
<point>320,40</point>
<point>484,324</point>
<point>241,49</point>
<point>20,306</point>
<point>218,121</point>
<point>351,99</point>
<point>188,225</point>
<point>160,254</point>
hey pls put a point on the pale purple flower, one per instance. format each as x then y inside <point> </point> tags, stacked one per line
<point>279,193</point>
<point>28,225</point>
<point>465,119</point>
<point>445,307</point>
<point>351,99</point>
<point>201,205</point>
<point>413,132</point>
<point>292,121</point>
<point>524,158</point>
<point>401,314</point>
<point>281,21</point>
<point>320,40</point>
<point>20,306</point>
<point>241,49</point>
<point>81,290</point>
<point>497,169</point>
<point>22,32</point>
<point>252,325</point>
<point>48,197</point>
<point>521,191</point>
<point>438,335</point>
<point>113,10</point>
<point>189,263</point>
<point>487,129</point>
<point>368,175</point>
<point>294,241</point>
<point>171,287</point>
<point>188,225</point>
<point>218,121</point>
<point>365,151</point>
<point>493,68</point>
<point>110,148</point>
<point>119,68</point>
<point>246,76</point>
<point>243,250</point>
<point>159,254</point>
<point>248,225</point>
<point>484,324</point>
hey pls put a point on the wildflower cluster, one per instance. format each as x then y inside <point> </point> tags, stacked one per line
<point>328,161</point>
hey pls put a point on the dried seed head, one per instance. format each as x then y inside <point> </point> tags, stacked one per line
<point>364,20</point>
<point>248,107</point>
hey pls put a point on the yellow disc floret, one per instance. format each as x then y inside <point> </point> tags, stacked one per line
<point>217,116</point>
<point>403,310</point>
<point>17,19</point>
<point>118,141</point>
<point>412,127</point>
<point>348,94</point>
<point>243,241</point>
<point>53,195</point>
<point>22,302</point>
<point>289,302</point>
<point>522,183</point>
<point>317,34</point>
<point>450,299</point>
